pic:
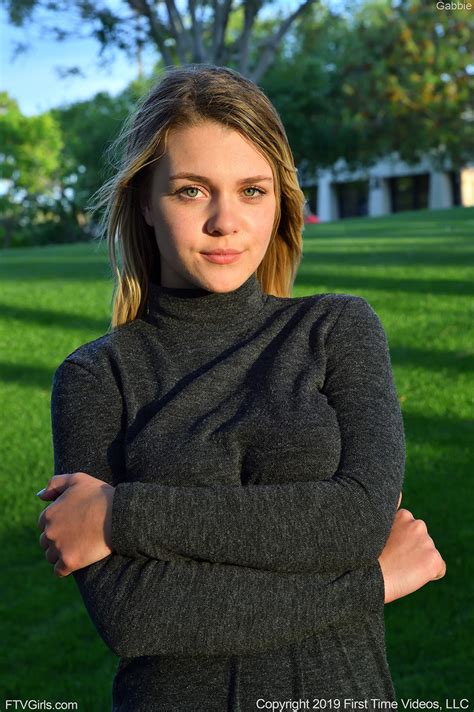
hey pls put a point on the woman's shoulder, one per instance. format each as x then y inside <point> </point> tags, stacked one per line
<point>337,301</point>
<point>99,355</point>
<point>335,317</point>
<point>331,305</point>
<point>346,305</point>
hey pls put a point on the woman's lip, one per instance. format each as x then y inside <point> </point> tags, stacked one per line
<point>223,252</point>
<point>222,258</point>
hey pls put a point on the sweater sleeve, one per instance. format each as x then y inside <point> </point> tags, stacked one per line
<point>328,525</point>
<point>144,606</point>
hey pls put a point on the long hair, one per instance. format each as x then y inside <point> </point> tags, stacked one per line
<point>184,97</point>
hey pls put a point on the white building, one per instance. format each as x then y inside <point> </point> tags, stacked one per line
<point>389,186</point>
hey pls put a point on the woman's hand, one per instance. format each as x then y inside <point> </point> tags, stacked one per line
<point>76,527</point>
<point>410,558</point>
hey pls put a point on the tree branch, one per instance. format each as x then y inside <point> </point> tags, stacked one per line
<point>178,30</point>
<point>158,31</point>
<point>251,10</point>
<point>268,53</point>
<point>199,54</point>
<point>221,19</point>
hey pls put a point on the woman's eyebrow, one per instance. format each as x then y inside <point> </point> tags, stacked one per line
<point>193,176</point>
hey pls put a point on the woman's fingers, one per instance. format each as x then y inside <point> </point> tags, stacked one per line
<point>56,486</point>
<point>399,500</point>
<point>52,554</point>
<point>410,558</point>
<point>44,541</point>
<point>442,567</point>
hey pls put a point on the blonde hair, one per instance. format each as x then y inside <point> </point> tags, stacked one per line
<point>184,97</point>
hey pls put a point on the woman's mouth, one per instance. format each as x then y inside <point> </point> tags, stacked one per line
<point>222,257</point>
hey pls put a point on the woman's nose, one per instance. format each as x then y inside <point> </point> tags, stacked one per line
<point>224,217</point>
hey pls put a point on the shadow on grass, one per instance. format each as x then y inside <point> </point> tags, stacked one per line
<point>308,281</point>
<point>53,319</point>
<point>437,431</point>
<point>44,619</point>
<point>79,269</point>
<point>23,375</point>
<point>411,224</point>
<point>386,229</point>
<point>389,258</point>
<point>430,360</point>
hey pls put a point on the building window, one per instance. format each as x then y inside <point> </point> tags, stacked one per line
<point>409,192</point>
<point>455,178</point>
<point>311,195</point>
<point>352,198</point>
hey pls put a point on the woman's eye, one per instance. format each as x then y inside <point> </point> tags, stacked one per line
<point>259,192</point>
<point>184,190</point>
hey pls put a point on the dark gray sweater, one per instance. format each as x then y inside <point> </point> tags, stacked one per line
<point>257,449</point>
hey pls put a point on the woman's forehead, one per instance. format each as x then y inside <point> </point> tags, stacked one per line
<point>211,150</point>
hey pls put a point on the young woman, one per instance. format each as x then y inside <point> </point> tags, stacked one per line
<point>228,459</point>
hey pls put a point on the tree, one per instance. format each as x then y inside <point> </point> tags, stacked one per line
<point>88,128</point>
<point>53,163</point>
<point>382,79</point>
<point>30,158</point>
<point>209,31</point>
<point>303,85</point>
<point>405,72</point>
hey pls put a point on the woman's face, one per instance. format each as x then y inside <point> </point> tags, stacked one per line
<point>211,190</point>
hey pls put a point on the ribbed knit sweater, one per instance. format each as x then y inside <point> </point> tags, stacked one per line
<point>257,450</point>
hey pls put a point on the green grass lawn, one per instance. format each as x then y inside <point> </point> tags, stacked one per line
<point>416,270</point>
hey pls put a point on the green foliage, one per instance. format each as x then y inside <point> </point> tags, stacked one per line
<point>55,162</point>
<point>404,73</point>
<point>88,129</point>
<point>31,158</point>
<point>19,11</point>
<point>27,160</point>
<point>303,86</point>
<point>383,79</point>
<point>31,149</point>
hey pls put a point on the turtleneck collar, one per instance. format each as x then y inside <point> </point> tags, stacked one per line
<point>175,306</point>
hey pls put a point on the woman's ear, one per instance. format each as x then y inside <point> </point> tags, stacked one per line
<point>146,212</point>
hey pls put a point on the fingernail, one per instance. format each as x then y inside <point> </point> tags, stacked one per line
<point>41,491</point>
